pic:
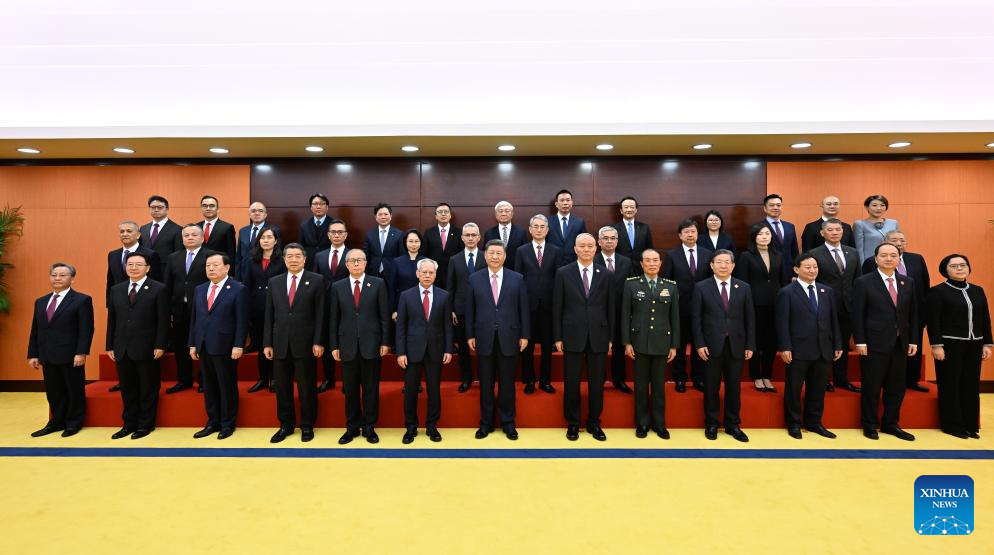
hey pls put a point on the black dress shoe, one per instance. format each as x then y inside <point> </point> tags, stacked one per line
<point>48,429</point>
<point>200,388</point>
<point>829,388</point>
<point>957,433</point>
<point>918,387</point>
<point>371,436</point>
<point>280,435</point>
<point>641,431</point>
<point>794,433</point>
<point>409,436</point>
<point>178,387</point>
<point>257,386</point>
<point>306,434</point>
<point>597,432</point>
<point>973,434</point>
<point>348,436</point>
<point>711,432</point>
<point>573,433</point>
<point>115,388</point>
<point>547,387</point>
<point>623,387</point>
<point>898,433</point>
<point>324,386</point>
<point>771,389</point>
<point>482,433</point>
<point>699,386</point>
<point>822,431</point>
<point>464,387</point>
<point>529,388</point>
<point>272,386</point>
<point>206,431</point>
<point>511,433</point>
<point>141,432</point>
<point>123,432</point>
<point>681,387</point>
<point>870,433</point>
<point>434,435</point>
<point>850,387</point>
<point>738,434</point>
<point>224,434</point>
<point>663,433</point>
<point>68,432</point>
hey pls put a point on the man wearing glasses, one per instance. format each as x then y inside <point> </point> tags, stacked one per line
<point>442,241</point>
<point>314,230</point>
<point>219,235</point>
<point>162,235</point>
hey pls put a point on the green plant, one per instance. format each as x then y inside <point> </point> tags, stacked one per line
<point>11,224</point>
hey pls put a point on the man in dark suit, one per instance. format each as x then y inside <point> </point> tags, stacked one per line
<point>313,233</point>
<point>566,227</point>
<point>687,264</point>
<point>184,272</point>
<point>619,268</point>
<point>293,338</point>
<point>540,279</point>
<point>330,263</point>
<point>784,234</point>
<point>885,317</point>
<point>460,268</point>
<point>383,242</point>
<point>583,313</point>
<point>838,268</point>
<point>219,235</point>
<point>811,237</point>
<point>137,334</point>
<point>248,234</point>
<point>218,328</point>
<point>129,234</point>
<point>424,345</point>
<point>913,266</point>
<point>498,328</point>
<point>808,338</point>
<point>61,334</point>
<point>633,236</point>
<point>724,323</point>
<point>360,330</point>
<point>511,235</point>
<point>162,235</point>
<point>442,241</point>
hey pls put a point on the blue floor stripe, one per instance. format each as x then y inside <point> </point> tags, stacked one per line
<point>416,453</point>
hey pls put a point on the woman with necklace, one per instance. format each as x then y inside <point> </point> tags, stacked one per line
<point>871,231</point>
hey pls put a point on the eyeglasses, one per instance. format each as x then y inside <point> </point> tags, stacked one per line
<point>356,260</point>
<point>157,207</point>
<point>336,232</point>
<point>318,203</point>
<point>957,266</point>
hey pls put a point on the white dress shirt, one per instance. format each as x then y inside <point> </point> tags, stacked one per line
<point>289,280</point>
<point>220,286</point>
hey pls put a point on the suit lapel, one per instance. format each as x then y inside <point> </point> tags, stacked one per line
<point>803,296</point>
<point>63,306</point>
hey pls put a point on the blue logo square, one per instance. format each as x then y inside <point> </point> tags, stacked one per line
<point>944,505</point>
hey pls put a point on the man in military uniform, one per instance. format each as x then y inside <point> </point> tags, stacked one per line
<point>650,330</point>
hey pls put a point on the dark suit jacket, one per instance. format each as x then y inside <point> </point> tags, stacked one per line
<point>321,264</point>
<point>244,251</point>
<point>418,338</point>
<point>222,238</point>
<point>180,285</point>
<point>712,324</point>
<point>840,282</point>
<point>115,269</point>
<point>624,268</point>
<point>876,322</point>
<point>257,281</point>
<point>808,334</point>
<point>70,332</point>
<point>135,331</point>
<point>391,248</point>
<point>538,281</point>
<point>788,247</point>
<point>914,263</point>
<point>515,238</point>
<point>432,248</point>
<point>643,240</point>
<point>292,331</point>
<point>577,318</point>
<point>169,240</point>
<point>225,325</point>
<point>510,318</point>
<point>359,332</point>
<point>765,284</point>
<point>314,238</point>
<point>724,242</point>
<point>811,236</point>
<point>675,268</point>
<point>458,279</point>
<point>576,227</point>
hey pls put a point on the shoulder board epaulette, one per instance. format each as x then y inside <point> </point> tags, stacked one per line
<point>669,281</point>
<point>631,278</point>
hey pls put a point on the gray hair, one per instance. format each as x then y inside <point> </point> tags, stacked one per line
<point>891,233</point>
<point>501,203</point>
<point>66,265</point>
<point>585,235</point>
<point>470,224</point>
<point>724,251</point>
<point>423,260</point>
<point>832,221</point>
<point>195,226</point>
<point>131,223</point>
<point>601,231</point>
<point>538,217</point>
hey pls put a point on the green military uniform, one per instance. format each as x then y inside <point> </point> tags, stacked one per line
<point>650,323</point>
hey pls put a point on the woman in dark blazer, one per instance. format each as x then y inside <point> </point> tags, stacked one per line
<point>959,330</point>
<point>265,261</point>
<point>714,236</point>
<point>401,273</point>
<point>761,266</point>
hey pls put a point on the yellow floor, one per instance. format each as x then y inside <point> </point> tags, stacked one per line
<point>476,505</point>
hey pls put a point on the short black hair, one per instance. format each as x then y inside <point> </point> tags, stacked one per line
<point>205,197</point>
<point>441,204</point>
<point>945,262</point>
<point>771,196</point>
<point>334,221</point>
<point>871,198</point>
<point>751,245</point>
<point>804,256</point>
<point>877,250</point>
<point>714,212</point>
<point>631,198</point>
<point>382,205</point>
<point>159,198</point>
<point>689,222</point>
<point>417,233</point>
<point>723,251</point>
<point>256,252</point>
<point>297,246</point>
<point>134,254</point>
<point>567,191</point>
<point>320,196</point>
<point>642,254</point>
<point>225,259</point>
<point>495,243</point>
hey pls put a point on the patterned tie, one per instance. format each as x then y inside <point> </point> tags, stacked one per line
<point>210,298</point>
<point>155,234</point>
<point>586,284</point>
<point>207,231</point>
<point>470,265</point>
<point>133,295</point>
<point>493,287</point>
<point>51,306</point>
<point>189,261</point>
<point>892,291</point>
<point>812,297</point>
<point>355,294</point>
<point>565,226</point>
<point>252,236</point>
<point>443,236</point>
<point>778,230</point>
<point>427,305</point>
<point>610,265</point>
<point>838,260</point>
<point>503,235</point>
<point>692,263</point>
<point>901,269</point>
<point>293,289</point>
<point>724,296</point>
<point>124,257</point>
<point>631,235</point>
<point>334,262</point>
<point>538,254</point>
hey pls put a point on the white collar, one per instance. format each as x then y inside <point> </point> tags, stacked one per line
<point>212,222</point>
<point>195,251</point>
<point>221,283</point>
<point>361,279</point>
<point>430,290</point>
<point>727,281</point>
<point>500,272</point>
<point>162,223</point>
<point>590,268</point>
<point>804,284</point>
<point>140,282</point>
<point>885,277</point>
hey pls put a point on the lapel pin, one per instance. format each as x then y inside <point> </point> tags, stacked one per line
<point>307,283</point>
<point>736,286</point>
<point>902,283</point>
<point>369,284</point>
<point>146,288</point>
<point>822,290</point>
<point>597,271</point>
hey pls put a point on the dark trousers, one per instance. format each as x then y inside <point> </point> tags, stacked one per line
<point>328,367</point>
<point>184,364</point>
<point>679,367</point>
<point>465,363</point>
<point>761,363</point>
<point>361,386</point>
<point>140,381</point>
<point>650,390</point>
<point>541,334</point>
<point>220,375</point>
<point>573,369</point>
<point>618,361</point>
<point>840,368</point>
<point>723,365</point>
<point>65,388</point>
<point>913,373</point>
<point>958,379</point>
<point>812,375</point>
<point>432,370</point>
<point>285,370</point>
<point>255,340</point>
<point>883,370</point>
<point>496,366</point>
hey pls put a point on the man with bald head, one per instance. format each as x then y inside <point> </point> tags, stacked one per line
<point>185,270</point>
<point>811,237</point>
<point>258,221</point>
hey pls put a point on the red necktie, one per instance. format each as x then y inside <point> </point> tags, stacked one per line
<point>293,289</point>
<point>427,305</point>
<point>355,294</point>
<point>538,255</point>
<point>892,291</point>
<point>443,236</point>
<point>207,231</point>
<point>210,298</point>
<point>334,262</point>
<point>52,305</point>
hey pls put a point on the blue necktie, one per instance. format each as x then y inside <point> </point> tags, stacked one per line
<point>470,265</point>
<point>189,261</point>
<point>631,235</point>
<point>565,226</point>
<point>812,298</point>
<point>252,236</point>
